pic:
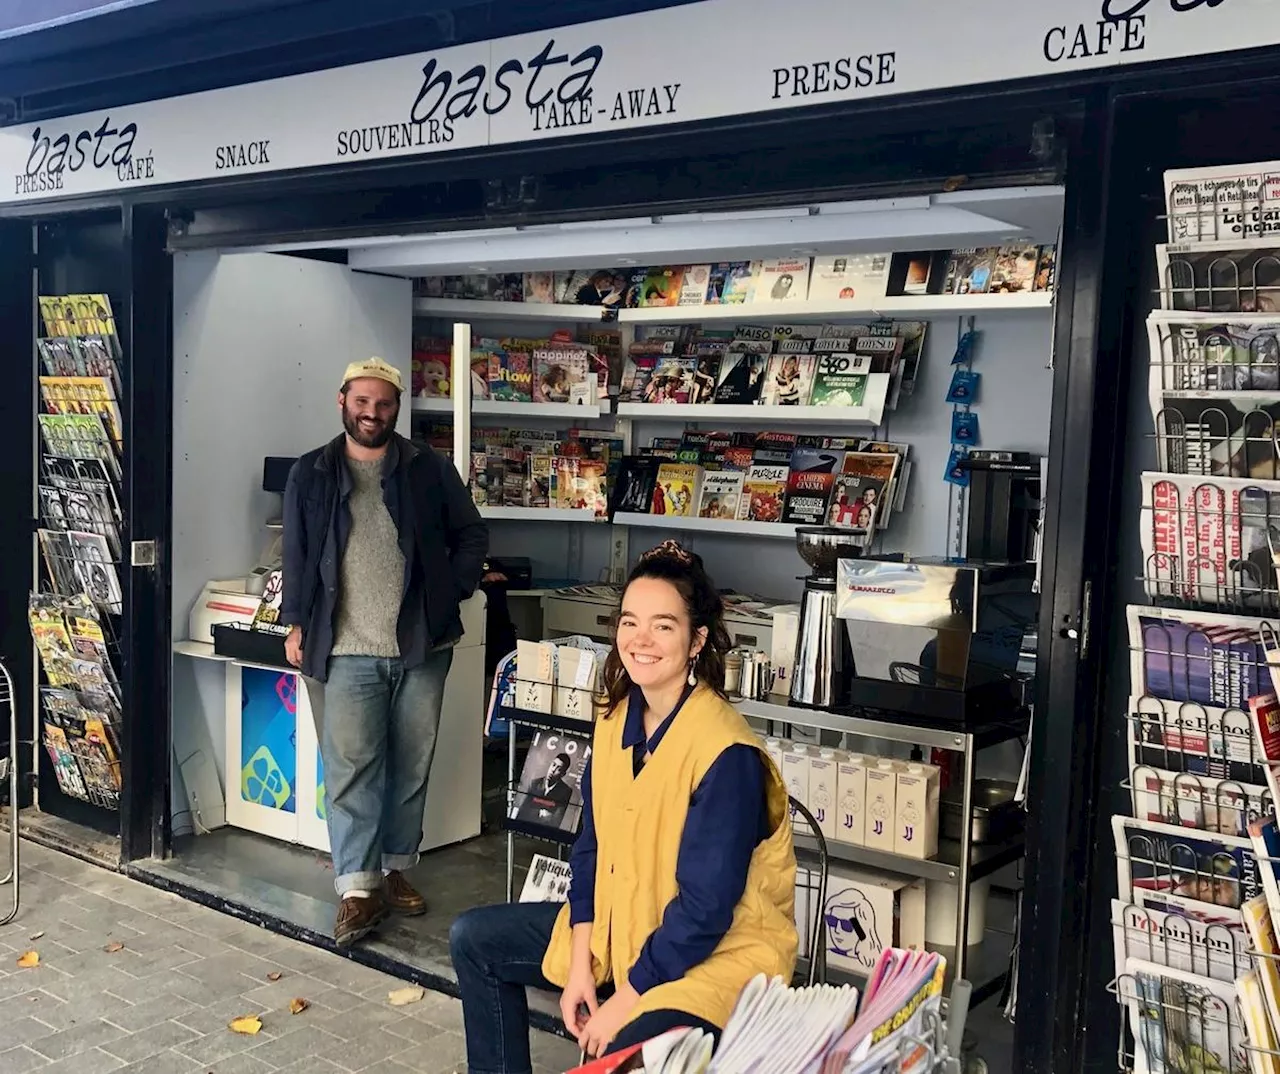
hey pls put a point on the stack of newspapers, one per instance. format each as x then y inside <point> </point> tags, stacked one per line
<point>817,1030</point>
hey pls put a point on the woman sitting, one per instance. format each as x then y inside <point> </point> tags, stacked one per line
<point>684,871</point>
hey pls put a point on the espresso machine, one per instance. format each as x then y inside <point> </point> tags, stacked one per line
<point>823,660</point>
<point>935,639</point>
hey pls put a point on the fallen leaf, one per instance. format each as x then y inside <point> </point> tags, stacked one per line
<point>274,975</point>
<point>30,959</point>
<point>37,936</point>
<point>402,997</point>
<point>113,947</point>
<point>249,1025</point>
<point>297,1006</point>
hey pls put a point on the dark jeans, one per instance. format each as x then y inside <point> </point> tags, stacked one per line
<point>497,953</point>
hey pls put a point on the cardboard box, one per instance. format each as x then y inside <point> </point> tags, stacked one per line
<point>823,793</point>
<point>851,791</point>
<point>533,696</point>
<point>575,667</point>
<point>536,662</point>
<point>795,774</point>
<point>572,703</point>
<point>882,806</point>
<point>867,911</point>
<point>916,832</point>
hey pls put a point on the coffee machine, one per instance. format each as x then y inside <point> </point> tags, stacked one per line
<point>823,659</point>
<point>935,639</point>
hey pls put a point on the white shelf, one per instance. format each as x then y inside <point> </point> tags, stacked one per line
<point>832,416</point>
<point>780,530</point>
<point>539,514</point>
<point>800,312</point>
<point>498,408</point>
<point>508,311</point>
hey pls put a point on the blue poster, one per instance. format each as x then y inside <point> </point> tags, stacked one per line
<point>268,738</point>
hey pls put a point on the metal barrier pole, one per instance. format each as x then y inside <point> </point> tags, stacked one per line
<point>9,766</point>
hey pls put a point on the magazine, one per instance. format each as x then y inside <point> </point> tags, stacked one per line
<point>781,280</point>
<point>1208,658</point>
<point>731,283</point>
<point>763,493</point>
<point>740,378</point>
<point>1220,277</point>
<point>546,881</point>
<point>676,490</point>
<point>721,494</point>
<point>809,485</point>
<point>1223,203</point>
<point>788,380</point>
<point>840,380</point>
<point>1208,741</point>
<point>1174,1015</point>
<point>1168,939</point>
<point>548,793</point>
<point>1221,870</point>
<point>849,278</point>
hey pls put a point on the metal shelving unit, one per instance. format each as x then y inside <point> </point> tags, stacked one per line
<point>960,862</point>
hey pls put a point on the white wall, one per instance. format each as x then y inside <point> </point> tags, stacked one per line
<point>260,345</point>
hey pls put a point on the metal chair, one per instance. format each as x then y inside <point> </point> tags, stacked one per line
<point>817,931</point>
<point>9,770</point>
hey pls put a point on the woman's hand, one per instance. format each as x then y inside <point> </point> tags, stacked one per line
<point>605,1023</point>
<point>578,992</point>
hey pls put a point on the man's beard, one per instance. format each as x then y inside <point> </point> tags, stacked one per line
<point>374,438</point>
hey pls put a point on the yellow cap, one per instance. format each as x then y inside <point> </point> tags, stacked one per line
<point>374,367</point>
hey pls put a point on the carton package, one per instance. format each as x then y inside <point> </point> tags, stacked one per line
<point>773,747</point>
<point>533,696</point>
<point>865,912</point>
<point>851,791</point>
<point>536,662</point>
<point>784,635</point>
<point>916,830</point>
<point>572,703</point>
<point>823,793</point>
<point>882,806</point>
<point>795,774</point>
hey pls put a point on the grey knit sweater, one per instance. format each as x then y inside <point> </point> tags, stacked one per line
<point>372,571</point>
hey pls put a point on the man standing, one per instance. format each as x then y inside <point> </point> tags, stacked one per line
<point>382,542</point>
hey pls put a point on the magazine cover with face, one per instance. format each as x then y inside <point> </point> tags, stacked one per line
<point>549,793</point>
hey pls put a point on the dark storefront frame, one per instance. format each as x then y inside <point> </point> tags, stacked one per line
<point>1063,1020</point>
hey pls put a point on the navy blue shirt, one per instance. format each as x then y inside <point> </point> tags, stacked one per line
<point>728,818</point>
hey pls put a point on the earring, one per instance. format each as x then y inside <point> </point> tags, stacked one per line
<point>693,679</point>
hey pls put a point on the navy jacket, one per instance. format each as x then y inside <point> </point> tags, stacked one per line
<point>442,537</point>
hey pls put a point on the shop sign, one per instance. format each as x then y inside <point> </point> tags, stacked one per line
<point>700,61</point>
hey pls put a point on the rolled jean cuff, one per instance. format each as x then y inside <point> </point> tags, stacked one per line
<point>348,882</point>
<point>399,862</point>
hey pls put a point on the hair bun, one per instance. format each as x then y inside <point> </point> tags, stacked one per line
<point>670,549</point>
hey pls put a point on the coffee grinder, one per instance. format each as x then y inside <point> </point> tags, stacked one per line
<point>824,659</point>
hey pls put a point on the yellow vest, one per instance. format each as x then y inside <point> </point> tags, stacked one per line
<point>639,821</point>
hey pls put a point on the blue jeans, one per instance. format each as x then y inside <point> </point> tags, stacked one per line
<point>497,954</point>
<point>377,741</point>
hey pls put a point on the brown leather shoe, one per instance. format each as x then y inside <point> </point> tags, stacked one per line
<point>357,917</point>
<point>400,895</point>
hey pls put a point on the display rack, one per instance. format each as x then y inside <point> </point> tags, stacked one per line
<point>77,606</point>
<point>960,862</point>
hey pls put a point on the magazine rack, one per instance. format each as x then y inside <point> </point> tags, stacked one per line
<point>9,763</point>
<point>1198,1020</point>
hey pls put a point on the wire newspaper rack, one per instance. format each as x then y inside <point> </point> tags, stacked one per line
<point>1179,996</point>
<point>1244,280</point>
<point>1224,211</point>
